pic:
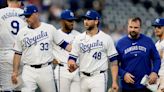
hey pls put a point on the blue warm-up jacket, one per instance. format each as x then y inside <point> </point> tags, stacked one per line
<point>138,57</point>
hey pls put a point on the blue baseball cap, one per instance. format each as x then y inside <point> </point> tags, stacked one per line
<point>158,22</point>
<point>67,15</point>
<point>92,14</point>
<point>29,10</point>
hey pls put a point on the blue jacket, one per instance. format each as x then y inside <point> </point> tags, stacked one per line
<point>138,57</point>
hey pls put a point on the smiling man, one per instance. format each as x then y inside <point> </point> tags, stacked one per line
<point>138,56</point>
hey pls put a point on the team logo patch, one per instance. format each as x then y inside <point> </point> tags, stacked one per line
<point>25,9</point>
<point>71,14</point>
<point>157,20</point>
<point>89,12</point>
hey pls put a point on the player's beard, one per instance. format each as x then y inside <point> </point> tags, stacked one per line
<point>89,28</point>
<point>70,28</point>
<point>134,35</point>
<point>159,34</point>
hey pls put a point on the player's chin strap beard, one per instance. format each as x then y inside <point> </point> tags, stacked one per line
<point>134,36</point>
<point>90,28</point>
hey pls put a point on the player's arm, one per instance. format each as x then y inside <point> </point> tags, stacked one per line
<point>156,64</point>
<point>126,76</point>
<point>16,65</point>
<point>161,52</point>
<point>17,59</point>
<point>59,40</point>
<point>112,57</point>
<point>65,45</point>
<point>73,56</point>
<point>114,72</point>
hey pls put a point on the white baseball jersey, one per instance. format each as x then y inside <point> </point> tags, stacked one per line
<point>61,54</point>
<point>66,81</point>
<point>10,23</point>
<point>93,52</point>
<point>35,45</point>
<point>160,47</point>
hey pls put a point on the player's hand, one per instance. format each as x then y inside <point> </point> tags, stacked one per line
<point>14,77</point>
<point>128,78</point>
<point>115,87</point>
<point>55,62</point>
<point>72,66</point>
<point>153,78</point>
<point>162,90</point>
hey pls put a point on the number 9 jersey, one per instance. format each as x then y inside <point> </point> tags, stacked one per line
<point>10,23</point>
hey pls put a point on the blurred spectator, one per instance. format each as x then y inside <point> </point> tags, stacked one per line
<point>3,3</point>
<point>74,5</point>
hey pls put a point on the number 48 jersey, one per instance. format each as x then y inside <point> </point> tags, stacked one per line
<point>10,23</point>
<point>93,51</point>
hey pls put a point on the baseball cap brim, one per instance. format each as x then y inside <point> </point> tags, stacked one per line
<point>157,24</point>
<point>69,18</point>
<point>25,14</point>
<point>87,17</point>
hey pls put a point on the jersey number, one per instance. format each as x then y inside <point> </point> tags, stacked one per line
<point>44,46</point>
<point>97,55</point>
<point>15,26</point>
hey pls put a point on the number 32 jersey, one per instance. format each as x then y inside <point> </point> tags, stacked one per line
<point>10,23</point>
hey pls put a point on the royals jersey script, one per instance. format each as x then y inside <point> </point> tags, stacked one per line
<point>94,51</point>
<point>39,40</point>
<point>10,23</point>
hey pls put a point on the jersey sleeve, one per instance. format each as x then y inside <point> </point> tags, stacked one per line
<point>17,45</point>
<point>111,50</point>
<point>75,50</point>
<point>155,58</point>
<point>58,38</point>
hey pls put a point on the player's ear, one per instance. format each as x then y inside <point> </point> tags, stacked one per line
<point>96,22</point>
<point>62,22</point>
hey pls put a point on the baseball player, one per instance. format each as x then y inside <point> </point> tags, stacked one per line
<point>10,23</point>
<point>34,47</point>
<point>67,82</point>
<point>159,32</point>
<point>94,49</point>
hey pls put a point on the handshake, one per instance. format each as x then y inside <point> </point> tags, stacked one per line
<point>152,87</point>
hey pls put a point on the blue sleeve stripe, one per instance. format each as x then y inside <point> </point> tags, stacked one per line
<point>114,58</point>
<point>17,52</point>
<point>113,55</point>
<point>72,58</point>
<point>63,44</point>
<point>60,42</point>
